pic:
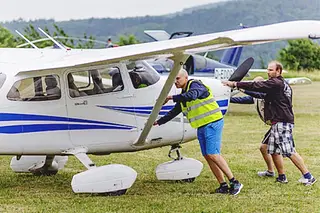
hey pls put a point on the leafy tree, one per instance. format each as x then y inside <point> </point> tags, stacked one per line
<point>127,40</point>
<point>300,54</point>
<point>6,38</point>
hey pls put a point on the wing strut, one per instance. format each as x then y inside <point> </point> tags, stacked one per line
<point>179,59</point>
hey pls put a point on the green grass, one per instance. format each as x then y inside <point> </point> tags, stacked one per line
<point>241,139</point>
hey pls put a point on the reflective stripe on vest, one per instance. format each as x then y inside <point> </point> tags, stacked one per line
<point>204,115</point>
<point>200,112</point>
<point>201,104</point>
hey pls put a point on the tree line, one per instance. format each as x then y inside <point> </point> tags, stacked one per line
<point>7,39</point>
<point>301,54</point>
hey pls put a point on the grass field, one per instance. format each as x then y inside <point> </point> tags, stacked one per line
<point>242,135</point>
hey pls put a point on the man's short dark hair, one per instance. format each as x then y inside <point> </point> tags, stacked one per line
<point>278,65</point>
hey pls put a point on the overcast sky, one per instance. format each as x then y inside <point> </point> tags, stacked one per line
<point>81,9</point>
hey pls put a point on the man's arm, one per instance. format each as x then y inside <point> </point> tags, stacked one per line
<point>258,95</point>
<point>242,100</point>
<point>170,115</point>
<point>257,86</point>
<point>260,86</point>
<point>196,90</point>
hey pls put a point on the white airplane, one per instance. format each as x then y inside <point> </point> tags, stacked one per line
<point>57,102</point>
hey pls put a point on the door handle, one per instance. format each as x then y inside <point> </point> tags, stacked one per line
<point>126,96</point>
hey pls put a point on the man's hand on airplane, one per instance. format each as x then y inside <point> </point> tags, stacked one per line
<point>167,99</point>
<point>231,84</point>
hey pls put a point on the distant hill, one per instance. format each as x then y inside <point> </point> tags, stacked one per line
<point>207,19</point>
<point>200,7</point>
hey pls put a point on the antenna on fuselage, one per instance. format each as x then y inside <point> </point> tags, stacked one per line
<point>29,42</point>
<point>52,39</point>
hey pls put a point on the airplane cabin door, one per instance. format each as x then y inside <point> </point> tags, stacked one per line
<point>96,102</point>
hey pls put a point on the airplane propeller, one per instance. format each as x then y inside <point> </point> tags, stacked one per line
<point>242,70</point>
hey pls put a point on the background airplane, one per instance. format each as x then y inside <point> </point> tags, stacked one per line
<point>198,65</point>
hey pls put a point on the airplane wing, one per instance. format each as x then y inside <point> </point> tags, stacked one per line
<point>194,44</point>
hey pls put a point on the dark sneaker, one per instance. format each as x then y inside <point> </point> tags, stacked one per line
<point>235,188</point>
<point>223,189</point>
<point>266,174</point>
<point>307,182</point>
<point>278,180</point>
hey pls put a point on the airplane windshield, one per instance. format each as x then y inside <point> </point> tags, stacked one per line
<point>142,74</point>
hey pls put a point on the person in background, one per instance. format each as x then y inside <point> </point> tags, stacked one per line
<point>109,43</point>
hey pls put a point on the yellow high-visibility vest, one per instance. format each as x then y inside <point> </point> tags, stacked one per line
<point>200,112</point>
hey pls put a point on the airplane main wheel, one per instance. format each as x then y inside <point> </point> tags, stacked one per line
<point>116,193</point>
<point>45,172</point>
<point>189,180</point>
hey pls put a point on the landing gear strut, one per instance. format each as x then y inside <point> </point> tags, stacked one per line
<point>112,180</point>
<point>175,148</point>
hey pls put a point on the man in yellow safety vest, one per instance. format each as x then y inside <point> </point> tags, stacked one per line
<point>203,113</point>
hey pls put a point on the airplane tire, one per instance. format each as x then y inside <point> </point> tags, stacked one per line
<point>44,172</point>
<point>116,193</point>
<point>189,180</point>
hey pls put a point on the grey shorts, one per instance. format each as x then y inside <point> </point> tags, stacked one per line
<point>281,140</point>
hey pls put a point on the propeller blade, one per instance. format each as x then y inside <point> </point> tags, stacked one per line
<point>242,70</point>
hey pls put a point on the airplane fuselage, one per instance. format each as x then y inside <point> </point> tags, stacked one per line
<point>102,123</point>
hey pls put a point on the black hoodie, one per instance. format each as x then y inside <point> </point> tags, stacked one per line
<point>278,99</point>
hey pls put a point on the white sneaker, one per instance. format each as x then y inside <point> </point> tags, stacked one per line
<point>307,182</point>
<point>266,174</point>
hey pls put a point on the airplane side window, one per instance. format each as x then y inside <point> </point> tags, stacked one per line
<point>78,82</point>
<point>42,88</point>
<point>110,80</point>
<point>94,81</point>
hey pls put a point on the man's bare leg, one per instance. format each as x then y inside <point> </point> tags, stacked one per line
<point>222,164</point>
<point>267,157</point>
<point>278,162</point>
<point>215,169</point>
<point>298,162</point>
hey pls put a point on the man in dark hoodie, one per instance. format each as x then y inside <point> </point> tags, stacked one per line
<point>278,113</point>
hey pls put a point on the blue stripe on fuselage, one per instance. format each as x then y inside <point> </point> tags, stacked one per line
<point>16,129</point>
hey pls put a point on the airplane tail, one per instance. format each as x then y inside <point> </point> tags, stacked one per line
<point>231,56</point>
